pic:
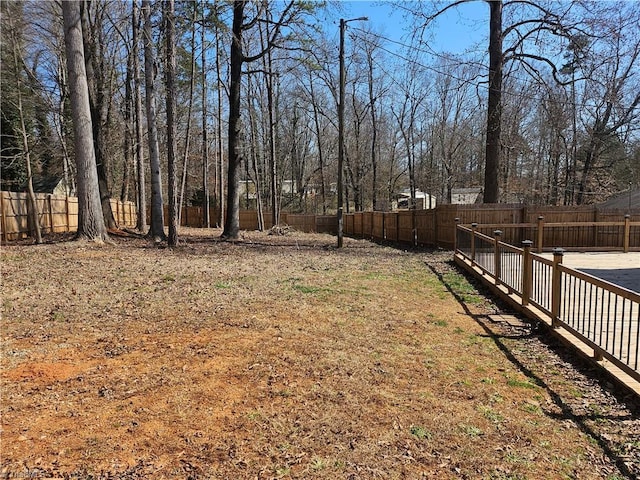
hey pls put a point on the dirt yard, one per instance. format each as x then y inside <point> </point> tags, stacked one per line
<point>282,357</point>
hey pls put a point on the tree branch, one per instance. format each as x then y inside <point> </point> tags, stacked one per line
<point>270,44</point>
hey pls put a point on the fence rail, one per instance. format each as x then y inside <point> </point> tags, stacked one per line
<point>603,316</point>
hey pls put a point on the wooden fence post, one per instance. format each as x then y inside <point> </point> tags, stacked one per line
<point>627,232</point>
<point>527,271</point>
<point>414,230</point>
<point>371,235</point>
<point>456,221</point>
<point>556,292</point>
<point>66,212</point>
<point>3,213</point>
<point>50,207</point>
<point>435,227</point>
<point>496,256</point>
<point>384,226</point>
<point>474,228</point>
<point>540,233</point>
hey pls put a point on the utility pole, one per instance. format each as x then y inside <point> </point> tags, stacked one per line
<point>343,24</point>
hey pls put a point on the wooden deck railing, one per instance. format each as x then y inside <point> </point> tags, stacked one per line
<point>603,316</point>
<point>585,236</point>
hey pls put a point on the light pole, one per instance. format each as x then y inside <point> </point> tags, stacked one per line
<point>343,24</point>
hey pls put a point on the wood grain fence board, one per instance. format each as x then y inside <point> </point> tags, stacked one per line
<point>357,224</point>
<point>406,226</point>
<point>56,213</point>
<point>391,226</point>
<point>425,227</point>
<point>327,224</point>
<point>377,221</point>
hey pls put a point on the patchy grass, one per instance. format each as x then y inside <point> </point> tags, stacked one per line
<point>271,357</point>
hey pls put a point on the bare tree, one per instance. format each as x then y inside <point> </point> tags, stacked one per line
<point>141,192</point>
<point>613,86</point>
<point>91,224</point>
<point>494,104</point>
<point>170,76</point>
<point>206,220</point>
<point>238,58</point>
<point>150,70</point>
<point>192,84</point>
<point>220,154</point>
<point>18,62</point>
<point>99,81</point>
<point>507,44</point>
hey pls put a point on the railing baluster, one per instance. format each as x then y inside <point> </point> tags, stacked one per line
<point>555,287</point>
<point>637,337</point>
<point>496,258</point>
<point>605,317</point>
<point>527,271</point>
<point>474,227</point>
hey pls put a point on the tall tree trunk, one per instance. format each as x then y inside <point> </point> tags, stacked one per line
<point>267,64</point>
<point>141,223</point>
<point>254,164</point>
<point>170,75</point>
<point>232,221</point>
<point>157,214</point>
<point>205,142</point>
<point>374,139</point>
<point>494,110</point>
<point>187,135</point>
<point>98,104</point>
<point>127,146</point>
<point>316,122</point>
<point>220,159</point>
<point>273,166</point>
<point>91,224</point>
<point>61,128</point>
<point>34,219</point>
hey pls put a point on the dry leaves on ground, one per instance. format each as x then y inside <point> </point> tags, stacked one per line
<point>279,356</point>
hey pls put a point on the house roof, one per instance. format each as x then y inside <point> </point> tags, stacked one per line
<point>406,193</point>
<point>621,201</point>
<point>466,190</point>
<point>467,196</point>
<point>44,184</point>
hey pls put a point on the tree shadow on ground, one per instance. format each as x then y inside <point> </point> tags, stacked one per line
<point>498,334</point>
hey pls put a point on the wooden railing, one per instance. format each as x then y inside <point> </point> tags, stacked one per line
<point>603,316</point>
<point>583,236</point>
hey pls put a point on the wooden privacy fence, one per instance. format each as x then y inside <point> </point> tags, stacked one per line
<point>194,217</point>
<point>56,213</point>
<point>602,316</point>
<point>548,226</point>
<point>569,227</point>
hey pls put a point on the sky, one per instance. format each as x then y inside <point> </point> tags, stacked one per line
<point>455,31</point>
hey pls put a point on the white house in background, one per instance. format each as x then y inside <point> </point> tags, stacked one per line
<point>466,196</point>
<point>55,185</point>
<point>424,201</point>
<point>247,189</point>
<point>287,187</point>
